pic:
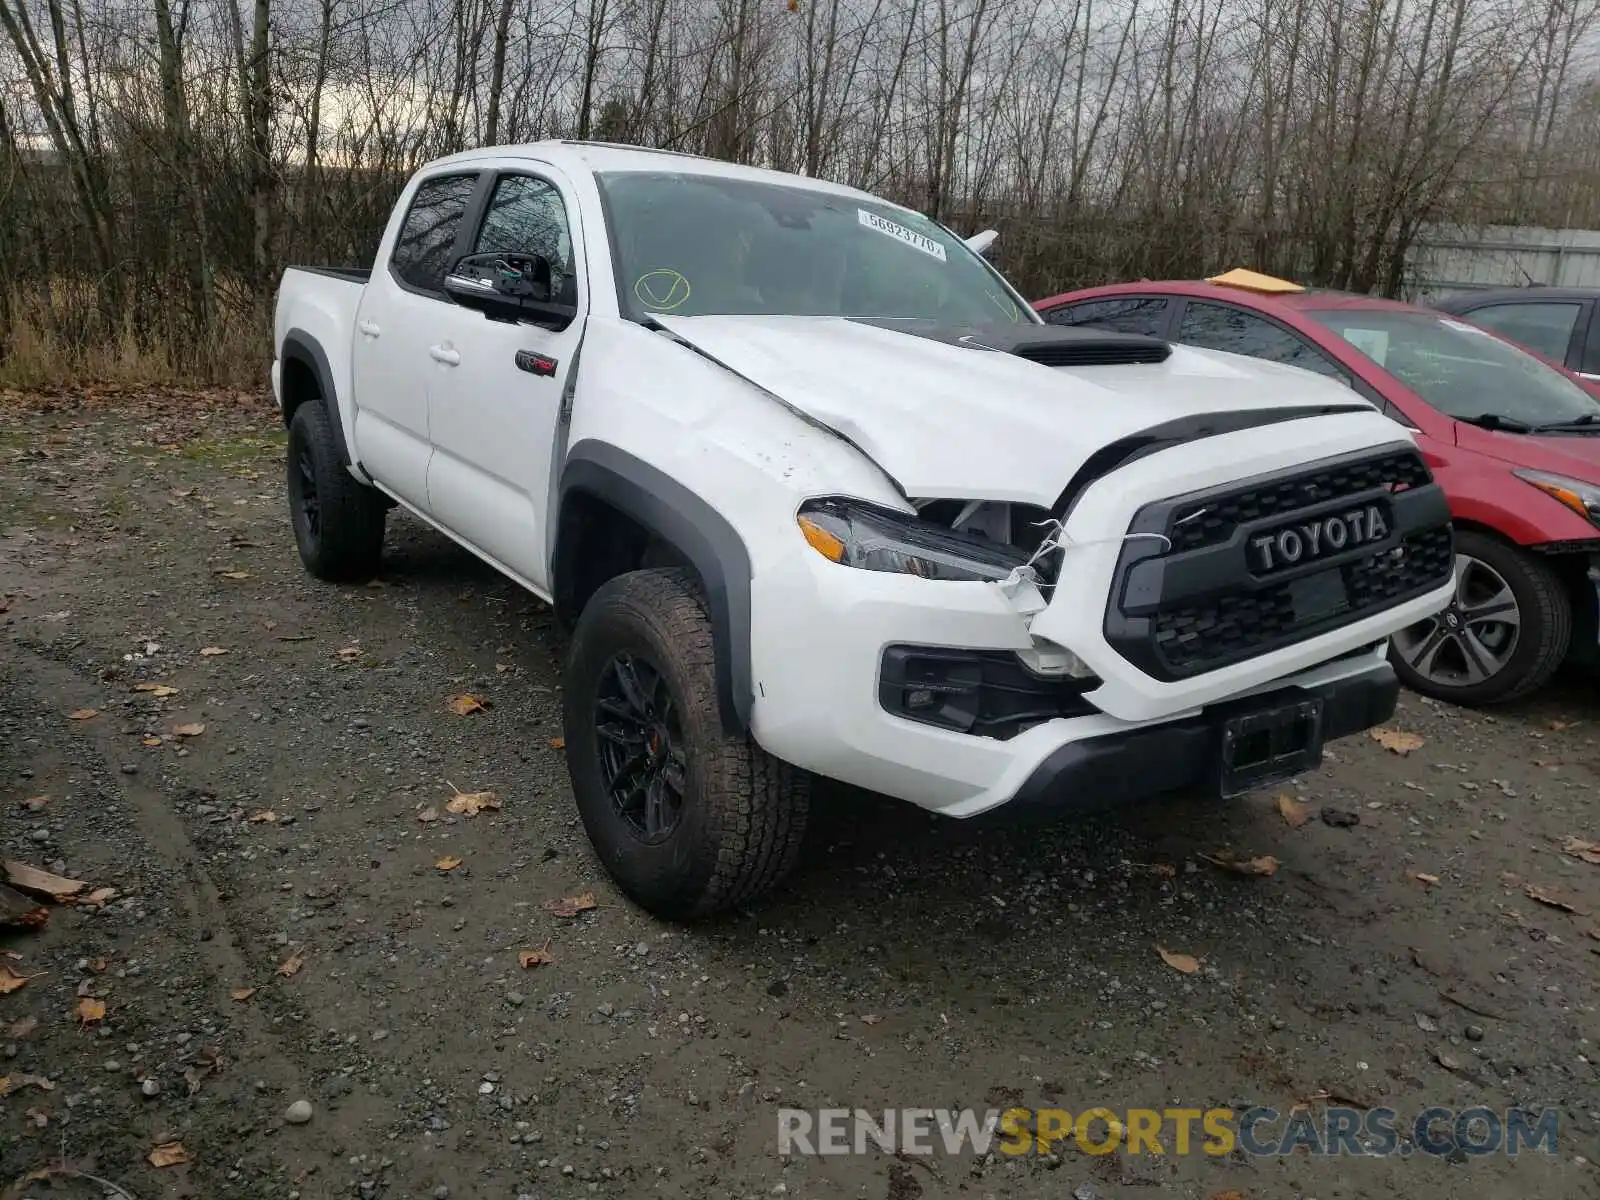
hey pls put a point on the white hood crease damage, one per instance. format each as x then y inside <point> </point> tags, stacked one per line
<point>951,421</point>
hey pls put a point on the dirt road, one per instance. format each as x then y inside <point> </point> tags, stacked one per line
<point>299,917</point>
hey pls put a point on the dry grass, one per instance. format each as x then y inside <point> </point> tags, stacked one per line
<point>53,341</point>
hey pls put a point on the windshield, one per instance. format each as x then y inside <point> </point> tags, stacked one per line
<point>694,245</point>
<point>1459,369</point>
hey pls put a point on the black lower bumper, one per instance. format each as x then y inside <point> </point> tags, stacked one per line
<point>1103,772</point>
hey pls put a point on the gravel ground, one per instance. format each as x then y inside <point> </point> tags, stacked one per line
<point>305,990</point>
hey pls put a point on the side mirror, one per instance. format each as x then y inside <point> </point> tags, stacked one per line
<point>979,243</point>
<point>514,287</point>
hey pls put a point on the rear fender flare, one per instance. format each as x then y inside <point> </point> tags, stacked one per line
<point>299,346</point>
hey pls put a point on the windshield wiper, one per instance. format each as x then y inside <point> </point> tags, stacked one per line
<point>1588,423</point>
<point>1496,421</point>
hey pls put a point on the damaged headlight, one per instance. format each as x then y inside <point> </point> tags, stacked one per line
<point>855,534</point>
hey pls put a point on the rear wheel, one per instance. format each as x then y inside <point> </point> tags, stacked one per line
<point>689,819</point>
<point>338,520</point>
<point>1505,632</point>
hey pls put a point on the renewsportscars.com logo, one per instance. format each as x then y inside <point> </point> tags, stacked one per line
<point>1259,1131</point>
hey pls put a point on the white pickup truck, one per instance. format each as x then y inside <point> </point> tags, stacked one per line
<point>818,494</point>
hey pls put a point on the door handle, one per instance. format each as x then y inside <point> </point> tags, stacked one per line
<point>448,357</point>
<point>368,329</point>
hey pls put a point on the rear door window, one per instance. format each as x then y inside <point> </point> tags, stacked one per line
<point>425,249</point>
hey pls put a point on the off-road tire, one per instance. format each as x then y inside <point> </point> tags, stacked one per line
<point>1544,637</point>
<point>744,812</point>
<point>344,544</point>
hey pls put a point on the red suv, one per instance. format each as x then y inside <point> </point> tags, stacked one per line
<point>1514,441</point>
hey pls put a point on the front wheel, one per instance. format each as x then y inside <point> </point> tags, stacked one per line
<point>689,819</point>
<point>1504,633</point>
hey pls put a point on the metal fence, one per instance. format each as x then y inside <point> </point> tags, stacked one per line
<point>1497,256</point>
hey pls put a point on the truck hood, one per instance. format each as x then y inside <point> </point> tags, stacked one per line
<point>946,419</point>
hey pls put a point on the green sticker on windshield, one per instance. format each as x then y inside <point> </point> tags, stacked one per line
<point>900,233</point>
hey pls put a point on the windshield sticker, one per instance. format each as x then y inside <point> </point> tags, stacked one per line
<point>1374,343</point>
<point>901,234</point>
<point>661,290</point>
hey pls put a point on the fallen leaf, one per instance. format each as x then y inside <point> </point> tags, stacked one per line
<point>1560,726</point>
<point>448,863</point>
<point>1425,877</point>
<point>40,883</point>
<point>471,803</point>
<point>242,993</point>
<point>536,958</point>
<point>90,1011</point>
<point>1179,962</point>
<point>1547,897</point>
<point>1396,740</point>
<point>158,690</point>
<point>1230,1194</point>
<point>98,965</point>
<point>36,803</point>
<point>15,1083</point>
<point>169,1154</point>
<point>152,741</point>
<point>1292,810</point>
<point>10,981</point>
<point>1161,870</point>
<point>234,574</point>
<point>98,897</point>
<point>571,906</point>
<point>21,1028</point>
<point>265,817</point>
<point>193,729</point>
<point>82,714</point>
<point>348,654</point>
<point>1257,867</point>
<point>1578,848</point>
<point>211,651</point>
<point>291,965</point>
<point>465,705</point>
<point>558,743</point>
<point>428,815</point>
<point>33,918</point>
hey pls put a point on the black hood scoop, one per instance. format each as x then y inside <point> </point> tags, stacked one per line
<point>1048,345</point>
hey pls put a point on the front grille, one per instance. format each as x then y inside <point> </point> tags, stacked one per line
<point>1202,604</point>
<point>1232,627</point>
<point>1217,519</point>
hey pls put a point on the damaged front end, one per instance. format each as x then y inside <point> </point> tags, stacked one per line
<point>992,693</point>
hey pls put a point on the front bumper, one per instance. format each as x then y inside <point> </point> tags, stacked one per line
<point>819,634</point>
<point>1101,772</point>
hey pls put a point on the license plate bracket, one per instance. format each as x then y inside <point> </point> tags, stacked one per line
<point>1267,745</point>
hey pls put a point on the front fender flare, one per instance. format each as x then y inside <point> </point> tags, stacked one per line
<point>685,521</point>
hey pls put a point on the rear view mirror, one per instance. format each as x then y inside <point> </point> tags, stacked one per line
<point>513,287</point>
